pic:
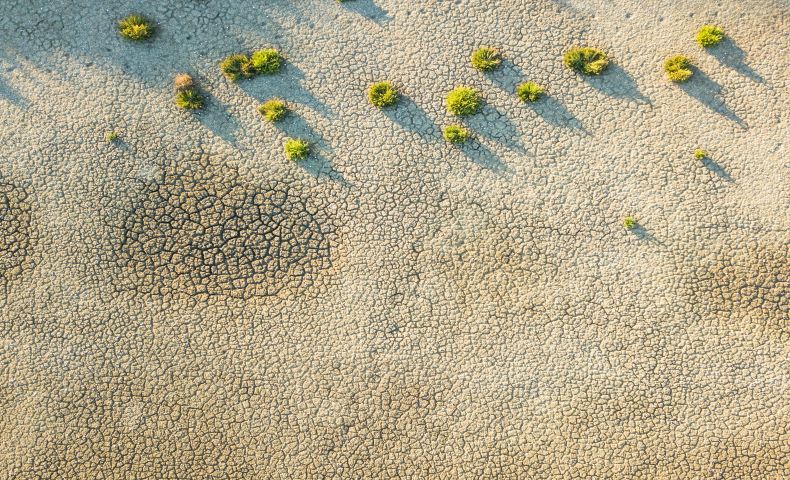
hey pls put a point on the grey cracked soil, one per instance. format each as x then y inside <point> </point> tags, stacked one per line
<point>183,302</point>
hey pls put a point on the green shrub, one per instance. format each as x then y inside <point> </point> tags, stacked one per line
<point>266,61</point>
<point>586,60</point>
<point>710,35</point>
<point>463,101</point>
<point>135,27</point>
<point>699,154</point>
<point>678,68</point>
<point>236,66</point>
<point>110,136</point>
<point>456,133</point>
<point>529,92</point>
<point>273,110</point>
<point>296,149</point>
<point>189,99</point>
<point>629,223</point>
<point>383,94</point>
<point>486,59</point>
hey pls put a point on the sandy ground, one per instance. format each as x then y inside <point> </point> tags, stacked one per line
<point>184,303</point>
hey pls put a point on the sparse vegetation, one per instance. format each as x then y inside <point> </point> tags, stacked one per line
<point>135,27</point>
<point>189,99</point>
<point>586,60</point>
<point>110,136</point>
<point>456,134</point>
<point>486,59</point>
<point>296,149</point>
<point>236,66</point>
<point>629,223</point>
<point>266,61</point>
<point>699,154</point>
<point>463,101</point>
<point>182,81</point>
<point>273,110</point>
<point>383,94</point>
<point>710,35</point>
<point>529,92</point>
<point>678,68</point>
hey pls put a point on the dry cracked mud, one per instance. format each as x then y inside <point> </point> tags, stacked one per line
<point>183,302</point>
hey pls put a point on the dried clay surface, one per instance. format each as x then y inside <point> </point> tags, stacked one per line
<point>182,302</point>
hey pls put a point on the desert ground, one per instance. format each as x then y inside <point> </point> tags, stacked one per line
<point>185,303</point>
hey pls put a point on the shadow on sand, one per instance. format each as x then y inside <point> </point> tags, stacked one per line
<point>731,55</point>
<point>368,9</point>
<point>285,84</point>
<point>317,164</point>
<point>507,76</point>
<point>717,169</point>
<point>7,92</point>
<point>481,155</point>
<point>708,92</point>
<point>616,82</point>
<point>555,113</point>
<point>413,118</point>
<point>217,118</point>
<point>494,125</point>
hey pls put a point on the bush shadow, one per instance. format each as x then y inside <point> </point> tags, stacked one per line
<point>553,112</point>
<point>496,126</point>
<point>617,83</point>
<point>412,117</point>
<point>507,76</point>
<point>10,94</point>
<point>285,84</point>
<point>728,53</point>
<point>217,118</point>
<point>701,87</point>
<point>481,155</point>
<point>368,9</point>
<point>717,169</point>
<point>317,163</point>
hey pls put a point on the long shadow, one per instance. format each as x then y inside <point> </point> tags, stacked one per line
<point>217,118</point>
<point>616,82</point>
<point>708,92</point>
<point>717,169</point>
<point>10,94</point>
<point>494,125</point>
<point>552,111</point>
<point>731,55</point>
<point>368,9</point>
<point>285,84</point>
<point>507,76</point>
<point>317,164</point>
<point>412,117</point>
<point>481,155</point>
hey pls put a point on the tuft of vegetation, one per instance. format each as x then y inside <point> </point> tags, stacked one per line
<point>110,136</point>
<point>273,110</point>
<point>486,59</point>
<point>529,92</point>
<point>182,81</point>
<point>699,154</point>
<point>189,99</point>
<point>296,149</point>
<point>463,101</point>
<point>266,61</point>
<point>237,66</point>
<point>629,223</point>
<point>135,27</point>
<point>678,68</point>
<point>456,134</point>
<point>586,60</point>
<point>710,35</point>
<point>383,94</point>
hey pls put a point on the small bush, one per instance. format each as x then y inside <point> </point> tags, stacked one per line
<point>110,136</point>
<point>236,66</point>
<point>709,35</point>
<point>383,94</point>
<point>456,134</point>
<point>486,59</point>
<point>629,223</point>
<point>529,92</point>
<point>135,27</point>
<point>273,110</point>
<point>463,101</point>
<point>699,154</point>
<point>678,68</point>
<point>266,61</point>
<point>586,60</point>
<point>296,149</point>
<point>189,99</point>
<point>182,81</point>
